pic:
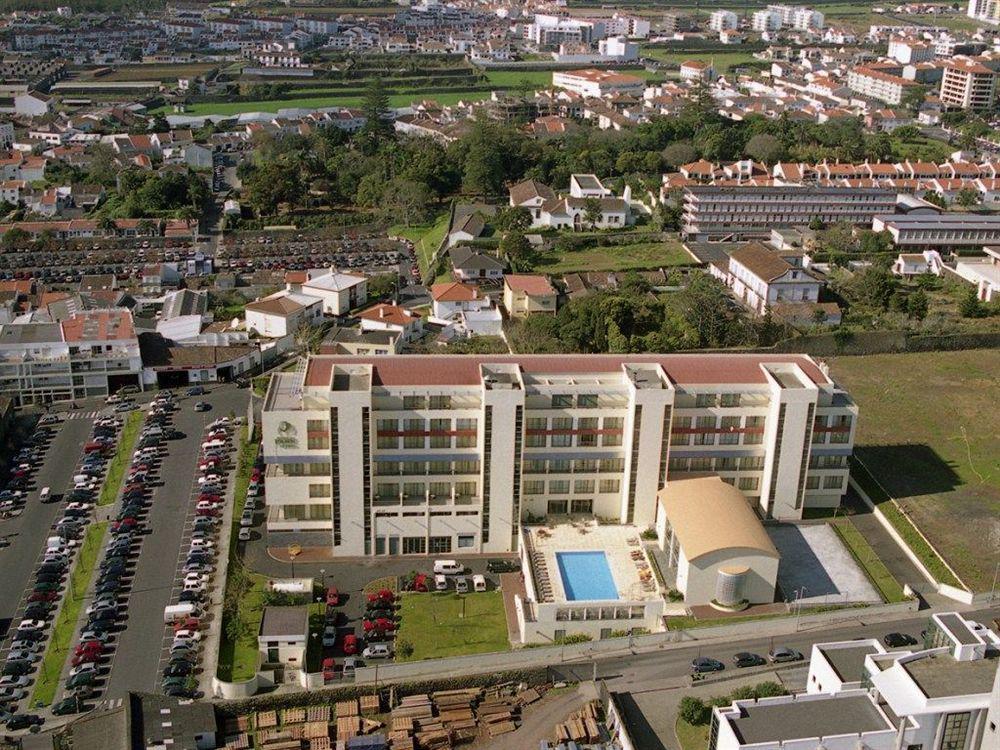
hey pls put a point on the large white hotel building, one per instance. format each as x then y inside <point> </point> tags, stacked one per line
<point>449,454</point>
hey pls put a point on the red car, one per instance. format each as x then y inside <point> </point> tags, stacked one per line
<point>43,596</point>
<point>332,596</point>
<point>89,647</point>
<point>379,625</point>
<point>87,658</point>
<point>191,623</point>
<point>329,669</point>
<point>207,498</point>
<point>126,523</point>
<point>135,487</point>
<point>349,645</point>
<point>210,512</point>
<point>419,582</point>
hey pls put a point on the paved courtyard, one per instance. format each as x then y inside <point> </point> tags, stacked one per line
<point>814,559</point>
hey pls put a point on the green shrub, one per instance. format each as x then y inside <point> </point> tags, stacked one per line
<point>404,648</point>
<point>694,710</point>
<point>648,534</point>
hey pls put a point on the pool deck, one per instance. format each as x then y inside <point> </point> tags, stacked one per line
<point>616,542</point>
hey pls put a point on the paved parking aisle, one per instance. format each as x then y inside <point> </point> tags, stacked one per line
<point>137,657</point>
<point>27,532</point>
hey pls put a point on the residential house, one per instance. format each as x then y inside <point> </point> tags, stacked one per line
<point>283,635</point>
<point>283,313</point>
<point>341,292</point>
<point>525,294</point>
<point>385,317</point>
<point>759,277</point>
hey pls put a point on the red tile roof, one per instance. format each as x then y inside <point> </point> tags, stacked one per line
<point>453,291</point>
<point>438,369</point>
<point>531,284</point>
<point>106,325</point>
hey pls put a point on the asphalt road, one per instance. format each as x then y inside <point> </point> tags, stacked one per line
<point>27,533</point>
<point>137,656</point>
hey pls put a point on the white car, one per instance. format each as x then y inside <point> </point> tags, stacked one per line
<point>210,478</point>
<point>79,506</point>
<point>88,667</point>
<point>201,544</point>
<point>377,651</point>
<point>31,625</point>
<point>220,422</point>
<point>186,635</point>
<point>10,681</point>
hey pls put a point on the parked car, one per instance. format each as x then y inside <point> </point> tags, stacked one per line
<point>748,659</point>
<point>899,640</point>
<point>782,654</point>
<point>706,664</point>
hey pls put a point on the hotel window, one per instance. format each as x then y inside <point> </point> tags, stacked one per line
<point>440,441</point>
<point>609,486</point>
<point>562,401</point>
<point>585,466</point>
<point>678,464</point>
<point>705,400</point>
<point>557,507</point>
<point>832,482</point>
<point>387,491</point>
<point>317,425</point>
<point>319,490</point>
<point>438,467</point>
<point>414,402</point>
<point>414,545</point>
<point>560,466</point>
<point>726,463</point>
<point>582,506</point>
<point>562,423</point>
<point>533,466</point>
<point>612,423</point>
<point>440,402</point>
<point>440,489</point>
<point>701,464</point>
<point>317,442</point>
<point>538,423</point>
<point>749,483</point>
<point>465,489</point>
<point>559,487</point>
<point>750,463</point>
<point>729,400</point>
<point>413,489</point>
<point>413,467</point>
<point>387,443</point>
<point>587,423</point>
<point>583,487</point>
<point>535,441</point>
<point>534,487</point>
<point>440,545</point>
<point>466,467</point>
<point>812,482</point>
<point>466,441</point>
<point>562,441</point>
<point>681,423</point>
<point>611,465</point>
<point>841,436</point>
<point>387,425</point>
<point>466,540</point>
<point>729,436</point>
<point>586,441</point>
<point>586,401</point>
<point>704,438</point>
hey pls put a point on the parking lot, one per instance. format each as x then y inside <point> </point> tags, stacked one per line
<point>137,658</point>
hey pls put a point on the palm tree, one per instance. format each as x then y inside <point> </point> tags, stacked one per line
<point>108,225</point>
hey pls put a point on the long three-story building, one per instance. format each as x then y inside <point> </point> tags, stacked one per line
<point>451,454</point>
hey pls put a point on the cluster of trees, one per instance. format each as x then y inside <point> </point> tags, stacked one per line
<point>697,712</point>
<point>400,175</point>
<point>142,194</point>
<point>631,319</point>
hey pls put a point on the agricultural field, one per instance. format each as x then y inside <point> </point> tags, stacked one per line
<point>156,72</point>
<point>723,61</point>
<point>928,433</point>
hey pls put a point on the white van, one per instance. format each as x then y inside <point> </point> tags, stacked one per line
<point>440,583</point>
<point>45,494</point>
<point>448,567</point>
<point>479,582</point>
<point>179,612</point>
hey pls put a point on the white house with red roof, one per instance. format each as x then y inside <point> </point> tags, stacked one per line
<point>384,317</point>
<point>466,309</point>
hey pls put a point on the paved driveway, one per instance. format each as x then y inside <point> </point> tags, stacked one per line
<point>814,559</point>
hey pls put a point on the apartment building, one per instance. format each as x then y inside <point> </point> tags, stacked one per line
<point>89,354</point>
<point>723,20</point>
<point>968,83</point>
<point>438,454</point>
<point>598,83</point>
<point>877,84</point>
<point>984,10</point>
<point>944,232</point>
<point>760,278</point>
<point>715,212</point>
<point>941,695</point>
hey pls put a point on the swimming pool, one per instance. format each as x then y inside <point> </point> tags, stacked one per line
<point>586,576</point>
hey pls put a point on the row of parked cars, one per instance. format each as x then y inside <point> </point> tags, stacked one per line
<point>185,617</point>
<point>22,467</point>
<point>96,644</point>
<point>50,578</point>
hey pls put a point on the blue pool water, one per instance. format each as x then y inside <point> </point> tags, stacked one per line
<point>586,576</point>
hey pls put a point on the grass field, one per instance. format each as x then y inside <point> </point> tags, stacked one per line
<point>155,72</point>
<point>640,255</point>
<point>888,587</point>
<point>927,432</point>
<point>425,238</point>
<point>433,624</point>
<point>65,625</point>
<point>120,461</point>
<point>921,148</point>
<point>690,736</point>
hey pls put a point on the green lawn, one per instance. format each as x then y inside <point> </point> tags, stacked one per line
<point>426,239</point>
<point>238,645</point>
<point>920,148</point>
<point>120,461</point>
<point>65,625</point>
<point>332,100</point>
<point>433,624</point>
<point>640,255</point>
<point>691,736</point>
<point>869,561</point>
<point>927,432</point>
